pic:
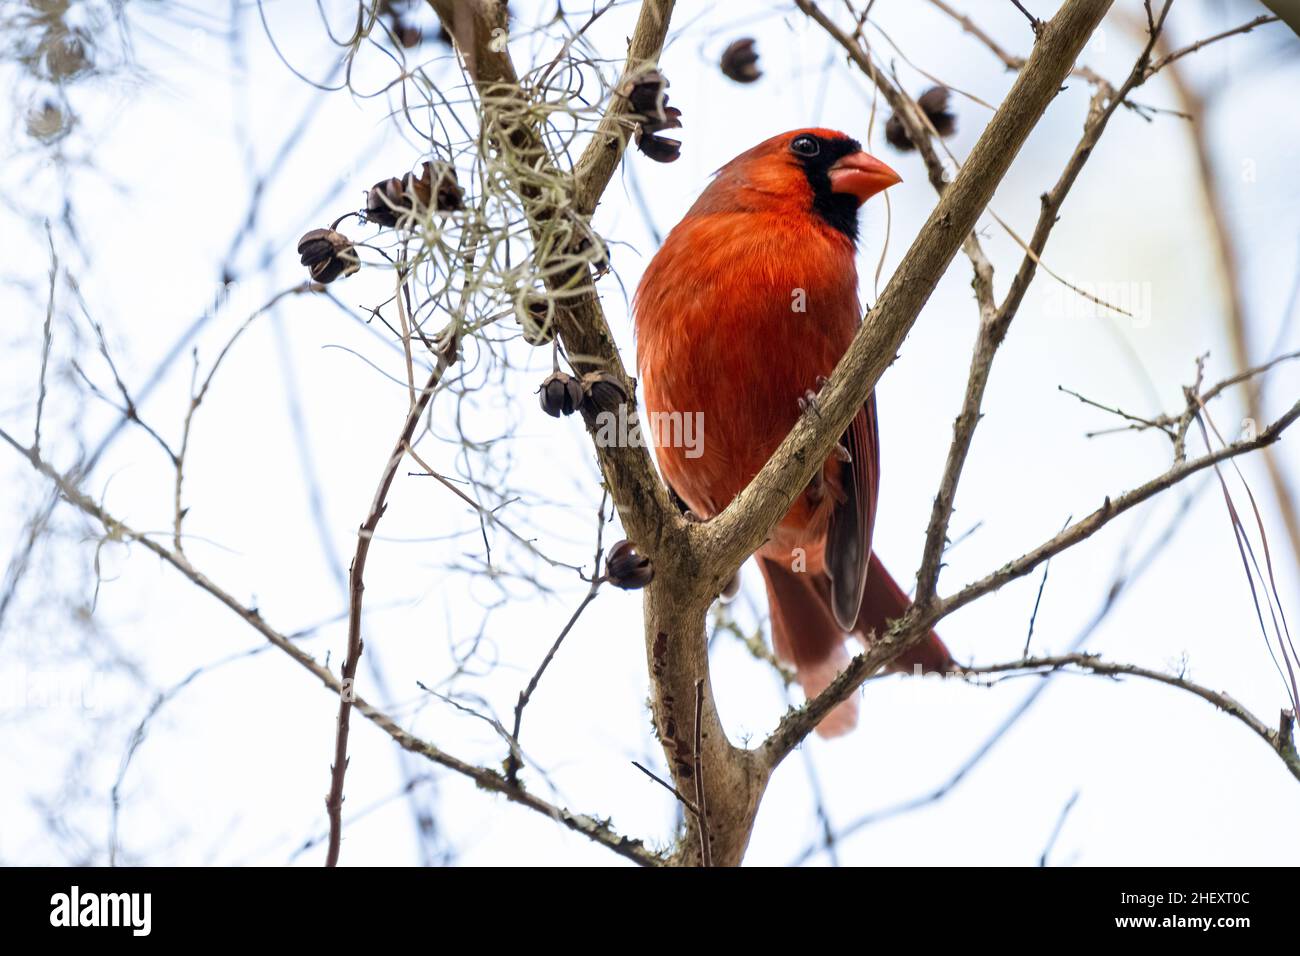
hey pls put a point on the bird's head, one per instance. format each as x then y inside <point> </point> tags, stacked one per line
<point>818,170</point>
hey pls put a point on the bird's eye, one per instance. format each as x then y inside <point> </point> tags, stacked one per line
<point>805,146</point>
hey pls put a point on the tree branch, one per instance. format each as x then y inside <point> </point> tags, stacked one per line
<point>447,354</point>
<point>599,831</point>
<point>647,514</point>
<point>798,723</point>
<point>993,327</point>
<point>741,528</point>
<point>1279,738</point>
<point>1229,258</point>
<point>1164,61</point>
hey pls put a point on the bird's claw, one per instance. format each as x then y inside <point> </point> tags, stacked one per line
<point>808,402</point>
<point>842,453</point>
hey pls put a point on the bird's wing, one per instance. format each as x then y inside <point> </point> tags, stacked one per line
<point>848,544</point>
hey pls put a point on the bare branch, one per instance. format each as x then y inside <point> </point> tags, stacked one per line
<point>922,134</point>
<point>47,339</point>
<point>1164,61</point>
<point>1056,830</point>
<point>514,762</point>
<point>1280,739</point>
<point>595,168</point>
<point>1234,298</point>
<point>196,399</point>
<point>594,829</point>
<point>701,795</point>
<point>1114,507</point>
<point>356,590</point>
<point>1035,24</point>
<point>993,328</point>
<point>740,529</point>
<point>797,724</point>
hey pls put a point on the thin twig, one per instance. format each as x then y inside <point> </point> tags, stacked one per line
<point>669,787</point>
<point>917,622</point>
<point>1056,830</point>
<point>356,590</point>
<point>514,761</point>
<point>1212,188</point>
<point>1123,580</point>
<point>701,798</point>
<point>1034,23</point>
<point>993,328</point>
<point>197,394</point>
<point>593,829</point>
<point>1164,61</point>
<point>47,339</point>
<point>1278,738</point>
<point>1033,617</point>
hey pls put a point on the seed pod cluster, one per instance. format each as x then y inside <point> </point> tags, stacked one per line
<point>328,254</point>
<point>391,199</point>
<point>647,95</point>
<point>740,61</point>
<point>560,394</point>
<point>628,568</point>
<point>601,392</point>
<point>934,103</point>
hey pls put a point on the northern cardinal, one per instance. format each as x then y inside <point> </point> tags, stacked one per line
<point>740,316</point>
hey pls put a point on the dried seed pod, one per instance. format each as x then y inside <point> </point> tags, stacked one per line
<point>386,201</point>
<point>628,568</point>
<point>328,255</point>
<point>65,52</point>
<point>646,94</point>
<point>740,61</point>
<point>560,394</point>
<point>934,103</point>
<point>536,317</point>
<point>49,122</point>
<point>653,145</point>
<point>420,187</point>
<point>648,100</point>
<point>446,191</point>
<point>389,200</point>
<point>602,392</point>
<point>407,35</point>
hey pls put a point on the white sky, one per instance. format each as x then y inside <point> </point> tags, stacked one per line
<point>235,768</point>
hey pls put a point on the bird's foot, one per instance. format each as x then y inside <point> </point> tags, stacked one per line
<point>809,399</point>
<point>842,453</point>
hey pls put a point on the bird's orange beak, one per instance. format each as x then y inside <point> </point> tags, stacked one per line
<point>862,175</point>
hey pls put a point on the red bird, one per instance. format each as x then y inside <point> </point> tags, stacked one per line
<point>740,316</point>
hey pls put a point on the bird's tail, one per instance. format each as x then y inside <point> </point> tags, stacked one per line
<point>805,633</point>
